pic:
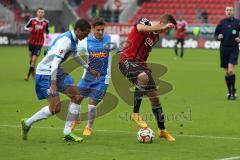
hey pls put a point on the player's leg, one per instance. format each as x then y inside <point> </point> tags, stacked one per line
<point>141,79</point>
<point>42,84</point>
<point>97,93</point>
<point>141,83</point>
<point>31,69</point>
<point>137,76</point>
<point>65,84</point>
<point>92,112</point>
<point>138,94</point>
<point>35,52</point>
<point>157,110</point>
<point>33,64</point>
<point>224,60</point>
<point>232,80</point>
<point>176,48</point>
<point>31,51</point>
<point>83,88</point>
<point>182,48</point>
<point>228,82</point>
<point>72,118</point>
<point>52,108</point>
<point>26,123</point>
<point>74,108</point>
<point>159,116</point>
<point>232,62</point>
<point>74,111</point>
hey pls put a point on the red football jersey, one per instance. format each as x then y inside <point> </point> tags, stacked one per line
<point>39,27</point>
<point>181,29</point>
<point>142,43</point>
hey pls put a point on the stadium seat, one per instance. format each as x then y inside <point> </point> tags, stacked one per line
<point>215,8</point>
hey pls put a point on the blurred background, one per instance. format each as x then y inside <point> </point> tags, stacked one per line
<point>201,16</point>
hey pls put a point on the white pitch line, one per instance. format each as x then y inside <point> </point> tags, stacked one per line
<point>209,137</point>
<point>127,132</point>
<point>58,128</point>
<point>231,158</point>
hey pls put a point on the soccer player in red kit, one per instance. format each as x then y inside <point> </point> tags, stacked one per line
<point>180,36</point>
<point>132,64</point>
<point>37,27</point>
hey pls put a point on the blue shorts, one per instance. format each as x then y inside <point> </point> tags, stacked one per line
<point>228,55</point>
<point>43,83</point>
<point>93,89</point>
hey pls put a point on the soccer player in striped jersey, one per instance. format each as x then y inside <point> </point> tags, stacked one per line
<point>51,79</point>
<point>132,64</point>
<point>37,27</point>
<point>180,36</point>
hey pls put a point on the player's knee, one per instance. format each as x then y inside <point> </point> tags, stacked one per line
<point>154,99</point>
<point>34,59</point>
<point>153,95</point>
<point>77,99</point>
<point>230,71</point>
<point>143,78</point>
<point>55,109</point>
<point>91,108</point>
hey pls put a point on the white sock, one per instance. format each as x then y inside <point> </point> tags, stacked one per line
<point>72,115</point>
<point>44,113</point>
<point>92,112</point>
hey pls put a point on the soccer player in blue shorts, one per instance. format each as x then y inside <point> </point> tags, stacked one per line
<point>50,79</point>
<point>96,47</point>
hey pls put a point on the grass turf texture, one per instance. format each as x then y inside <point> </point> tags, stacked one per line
<point>208,128</point>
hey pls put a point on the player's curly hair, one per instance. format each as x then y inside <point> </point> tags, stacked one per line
<point>82,24</point>
<point>168,18</point>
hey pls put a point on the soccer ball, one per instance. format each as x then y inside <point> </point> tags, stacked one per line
<point>145,135</point>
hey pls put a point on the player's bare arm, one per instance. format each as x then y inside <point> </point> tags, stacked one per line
<point>77,58</point>
<point>54,68</point>
<point>220,36</point>
<point>155,28</point>
<point>53,87</point>
<point>30,29</point>
<point>237,39</point>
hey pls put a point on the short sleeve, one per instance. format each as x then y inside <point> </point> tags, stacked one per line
<point>144,21</point>
<point>63,46</point>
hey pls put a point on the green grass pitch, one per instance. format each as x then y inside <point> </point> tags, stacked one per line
<point>205,125</point>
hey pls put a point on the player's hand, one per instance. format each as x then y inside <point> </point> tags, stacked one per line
<point>30,29</point>
<point>220,36</point>
<point>237,40</point>
<point>52,89</point>
<point>169,26</point>
<point>94,73</point>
